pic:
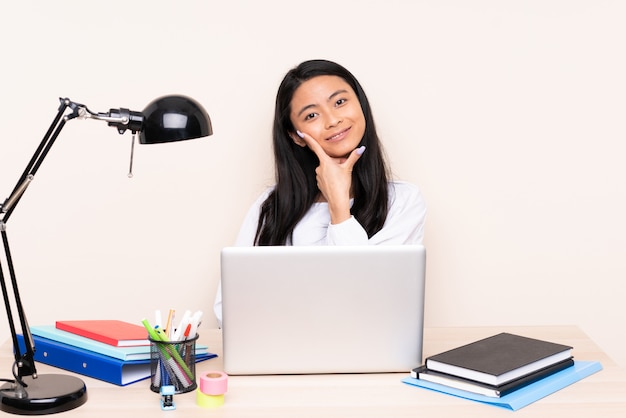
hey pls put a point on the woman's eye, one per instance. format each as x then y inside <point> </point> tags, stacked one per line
<point>309,116</point>
<point>340,102</point>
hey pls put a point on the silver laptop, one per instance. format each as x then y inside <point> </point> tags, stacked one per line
<point>328,309</point>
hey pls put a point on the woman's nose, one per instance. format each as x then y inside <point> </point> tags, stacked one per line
<point>333,120</point>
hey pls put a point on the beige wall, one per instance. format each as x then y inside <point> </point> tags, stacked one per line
<point>510,116</point>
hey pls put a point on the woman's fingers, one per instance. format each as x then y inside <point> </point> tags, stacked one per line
<point>313,145</point>
<point>354,157</point>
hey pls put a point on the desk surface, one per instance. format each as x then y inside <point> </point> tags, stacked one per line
<point>372,395</point>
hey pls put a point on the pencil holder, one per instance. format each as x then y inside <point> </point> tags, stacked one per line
<point>173,363</point>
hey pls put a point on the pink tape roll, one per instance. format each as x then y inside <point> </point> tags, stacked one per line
<point>214,383</point>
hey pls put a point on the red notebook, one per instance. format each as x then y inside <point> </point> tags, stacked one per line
<point>108,331</point>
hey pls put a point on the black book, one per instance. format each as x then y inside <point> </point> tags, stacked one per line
<point>424,373</point>
<point>499,359</point>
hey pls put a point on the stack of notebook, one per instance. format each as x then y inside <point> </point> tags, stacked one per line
<point>505,369</point>
<point>114,351</point>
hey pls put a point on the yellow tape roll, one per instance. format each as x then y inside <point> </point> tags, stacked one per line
<point>208,401</point>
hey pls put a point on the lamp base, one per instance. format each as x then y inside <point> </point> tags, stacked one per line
<point>48,394</point>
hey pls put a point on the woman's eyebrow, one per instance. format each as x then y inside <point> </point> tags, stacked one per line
<point>337,93</point>
<point>305,108</point>
<point>309,106</point>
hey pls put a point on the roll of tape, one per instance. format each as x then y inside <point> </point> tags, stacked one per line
<point>214,383</point>
<point>208,401</point>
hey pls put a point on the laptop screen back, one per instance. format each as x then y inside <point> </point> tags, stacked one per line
<point>327,309</point>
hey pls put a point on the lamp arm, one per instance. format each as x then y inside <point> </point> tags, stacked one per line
<point>122,119</point>
<point>33,165</point>
<point>17,193</point>
<point>25,362</point>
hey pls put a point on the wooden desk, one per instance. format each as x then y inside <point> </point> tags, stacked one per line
<point>373,395</point>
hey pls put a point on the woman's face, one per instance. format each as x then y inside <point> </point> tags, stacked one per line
<point>326,108</point>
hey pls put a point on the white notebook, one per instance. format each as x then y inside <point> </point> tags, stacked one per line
<point>322,309</point>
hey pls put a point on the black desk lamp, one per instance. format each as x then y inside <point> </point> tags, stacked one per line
<point>167,119</point>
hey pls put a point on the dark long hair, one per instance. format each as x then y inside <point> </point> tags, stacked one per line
<point>296,186</point>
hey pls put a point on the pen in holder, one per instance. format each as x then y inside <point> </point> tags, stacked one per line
<point>173,363</point>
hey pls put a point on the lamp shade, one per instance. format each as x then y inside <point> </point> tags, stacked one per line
<point>174,118</point>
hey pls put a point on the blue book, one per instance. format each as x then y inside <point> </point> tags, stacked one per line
<point>50,332</point>
<point>524,396</point>
<point>92,364</point>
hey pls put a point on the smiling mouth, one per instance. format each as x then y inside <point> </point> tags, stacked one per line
<point>339,135</point>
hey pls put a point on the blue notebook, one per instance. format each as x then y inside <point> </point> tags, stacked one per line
<point>526,395</point>
<point>139,352</point>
